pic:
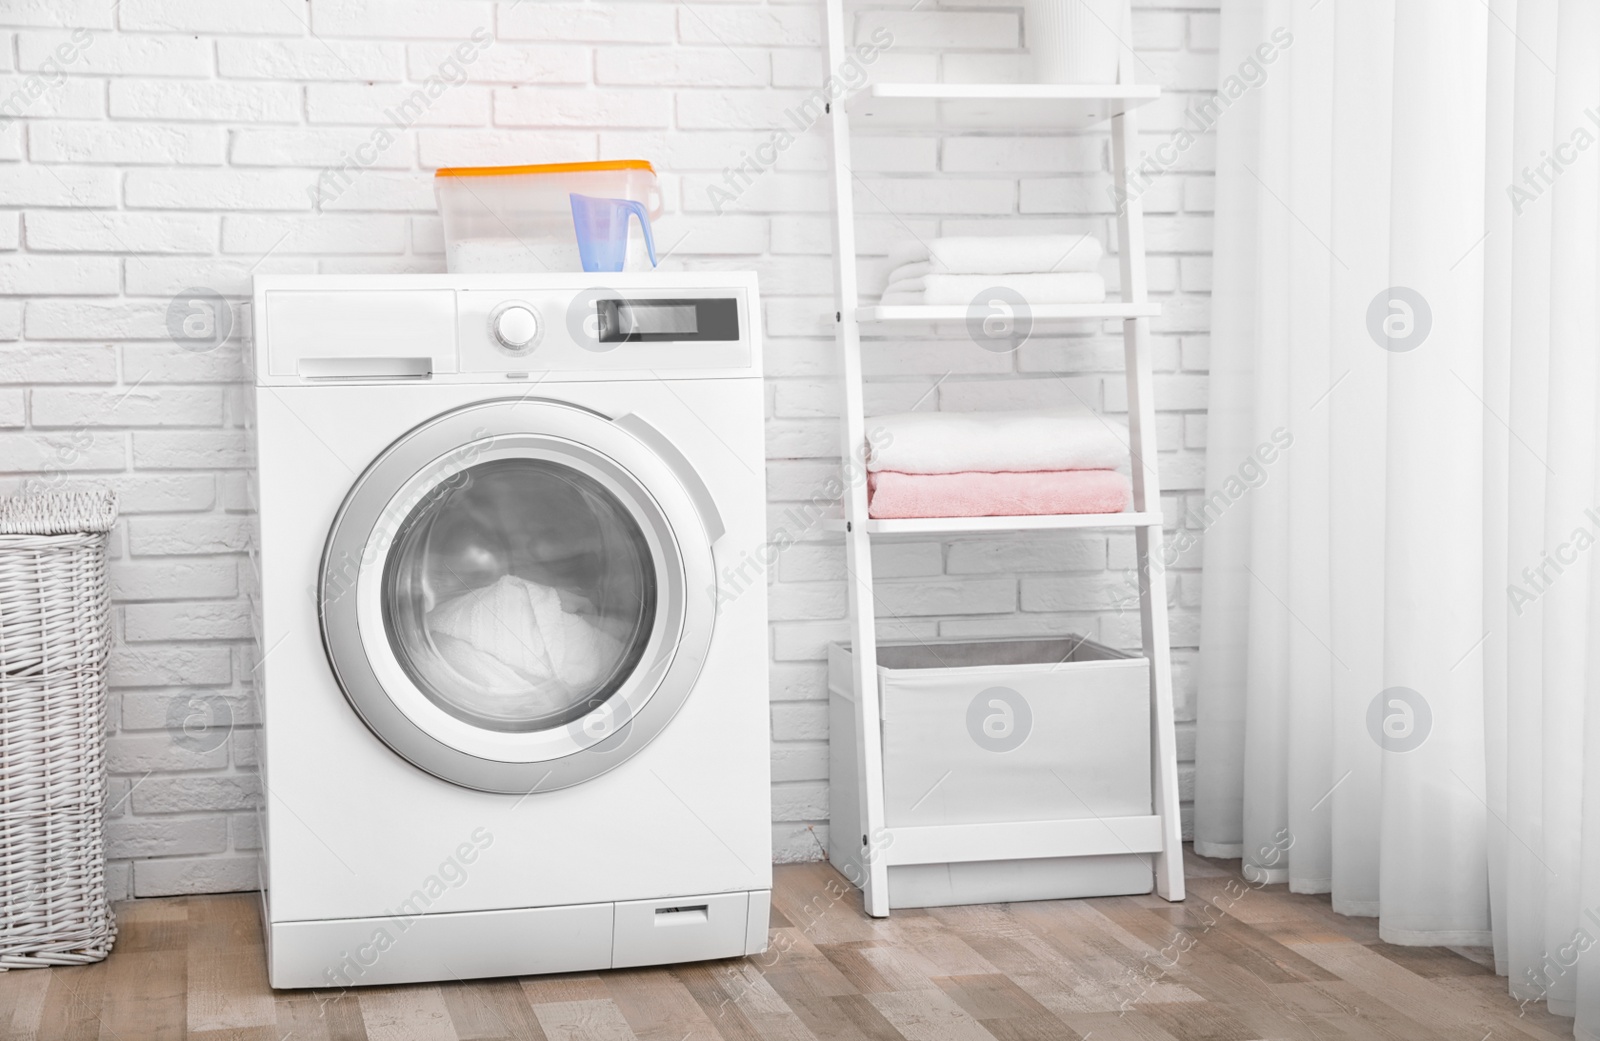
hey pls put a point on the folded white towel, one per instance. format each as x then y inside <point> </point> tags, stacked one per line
<point>1062,287</point>
<point>1002,254</point>
<point>1072,287</point>
<point>914,251</point>
<point>991,442</point>
<point>915,269</point>
<point>524,649</point>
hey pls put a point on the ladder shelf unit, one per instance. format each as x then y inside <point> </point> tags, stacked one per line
<point>955,107</point>
<point>975,525</point>
<point>1039,312</point>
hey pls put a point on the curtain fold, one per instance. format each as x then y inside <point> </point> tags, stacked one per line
<point>1401,628</point>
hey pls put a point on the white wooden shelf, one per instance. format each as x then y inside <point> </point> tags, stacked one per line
<point>1039,313</point>
<point>939,109</point>
<point>996,106</point>
<point>1023,840</point>
<point>979,525</point>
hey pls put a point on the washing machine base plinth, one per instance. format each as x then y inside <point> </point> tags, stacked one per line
<point>429,948</point>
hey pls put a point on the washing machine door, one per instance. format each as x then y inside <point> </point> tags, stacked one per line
<point>517,596</point>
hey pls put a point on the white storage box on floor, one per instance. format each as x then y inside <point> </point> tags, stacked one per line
<point>992,731</point>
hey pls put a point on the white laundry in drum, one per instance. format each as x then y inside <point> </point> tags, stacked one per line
<point>527,649</point>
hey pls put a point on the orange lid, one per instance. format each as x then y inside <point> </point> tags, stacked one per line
<point>544,168</point>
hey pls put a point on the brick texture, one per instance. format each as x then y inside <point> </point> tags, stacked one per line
<point>152,146</point>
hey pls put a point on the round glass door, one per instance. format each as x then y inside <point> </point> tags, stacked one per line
<point>506,594</point>
<point>520,596</point>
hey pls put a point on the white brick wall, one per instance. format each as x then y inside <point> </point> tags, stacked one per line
<point>170,143</point>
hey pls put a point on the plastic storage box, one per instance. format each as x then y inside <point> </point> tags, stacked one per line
<point>994,731</point>
<point>518,219</point>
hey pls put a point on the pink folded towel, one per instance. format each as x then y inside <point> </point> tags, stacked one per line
<point>973,494</point>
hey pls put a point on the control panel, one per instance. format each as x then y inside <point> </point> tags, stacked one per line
<point>601,328</point>
<point>471,328</point>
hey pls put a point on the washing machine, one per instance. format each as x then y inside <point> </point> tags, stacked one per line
<point>513,714</point>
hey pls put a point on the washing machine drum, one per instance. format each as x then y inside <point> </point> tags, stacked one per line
<point>516,596</point>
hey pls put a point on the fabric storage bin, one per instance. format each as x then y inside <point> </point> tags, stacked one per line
<point>54,635</point>
<point>993,731</point>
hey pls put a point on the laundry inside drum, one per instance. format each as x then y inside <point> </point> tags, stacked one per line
<point>520,594</point>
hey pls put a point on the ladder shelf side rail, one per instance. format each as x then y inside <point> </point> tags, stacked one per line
<point>881,846</point>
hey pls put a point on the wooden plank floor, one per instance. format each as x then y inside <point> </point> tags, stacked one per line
<point>1233,963</point>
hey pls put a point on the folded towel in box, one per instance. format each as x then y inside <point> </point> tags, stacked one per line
<point>891,494</point>
<point>952,442</point>
<point>1002,254</point>
<point>1071,287</point>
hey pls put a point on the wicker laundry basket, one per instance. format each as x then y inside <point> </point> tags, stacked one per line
<point>54,633</point>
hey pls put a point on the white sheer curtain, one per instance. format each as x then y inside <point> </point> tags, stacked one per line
<point>1401,634</point>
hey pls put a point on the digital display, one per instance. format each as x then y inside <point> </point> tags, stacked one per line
<point>647,321</point>
<point>647,316</point>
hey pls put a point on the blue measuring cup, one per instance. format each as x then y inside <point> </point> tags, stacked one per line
<point>602,227</point>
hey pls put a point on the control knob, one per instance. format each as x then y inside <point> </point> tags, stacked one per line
<point>515,327</point>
